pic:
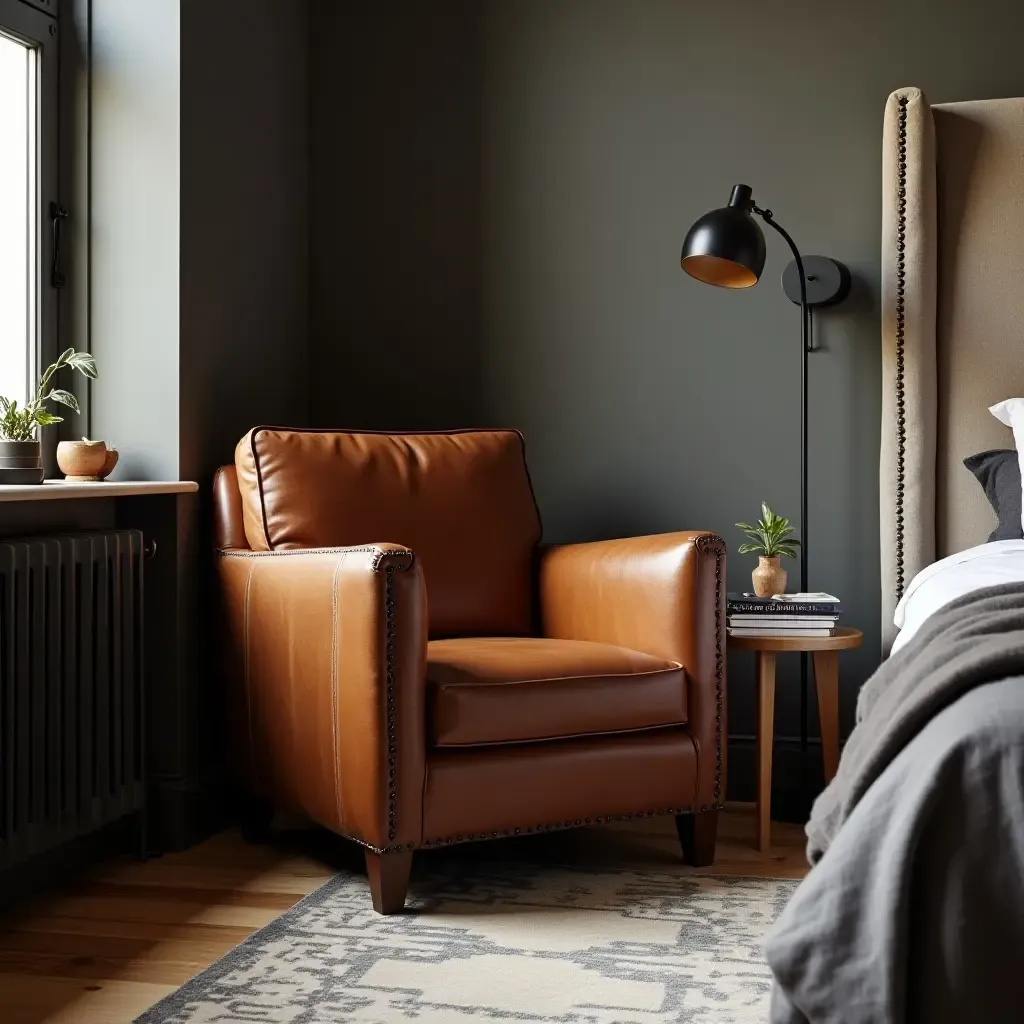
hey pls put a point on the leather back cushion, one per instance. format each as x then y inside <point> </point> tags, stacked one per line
<point>461,500</point>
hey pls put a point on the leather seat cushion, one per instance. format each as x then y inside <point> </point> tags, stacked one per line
<point>486,690</point>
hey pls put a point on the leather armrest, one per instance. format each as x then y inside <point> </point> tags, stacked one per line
<point>327,655</point>
<point>662,595</point>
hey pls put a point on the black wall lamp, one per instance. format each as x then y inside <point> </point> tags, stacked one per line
<point>726,248</point>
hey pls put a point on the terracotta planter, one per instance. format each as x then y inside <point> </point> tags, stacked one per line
<point>769,577</point>
<point>82,461</point>
<point>111,461</point>
<point>21,462</point>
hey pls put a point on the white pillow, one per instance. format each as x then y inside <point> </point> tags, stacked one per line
<point>1011,412</point>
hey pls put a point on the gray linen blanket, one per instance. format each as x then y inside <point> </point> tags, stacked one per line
<point>976,639</point>
<point>914,911</point>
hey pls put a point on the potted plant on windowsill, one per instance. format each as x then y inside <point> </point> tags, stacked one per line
<point>20,452</point>
<point>771,538</point>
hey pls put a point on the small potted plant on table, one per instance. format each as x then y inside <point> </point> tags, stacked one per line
<point>20,452</point>
<point>771,538</point>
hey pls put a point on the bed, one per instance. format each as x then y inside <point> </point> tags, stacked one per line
<point>914,909</point>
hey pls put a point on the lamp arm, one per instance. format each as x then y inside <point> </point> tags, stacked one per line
<point>766,216</point>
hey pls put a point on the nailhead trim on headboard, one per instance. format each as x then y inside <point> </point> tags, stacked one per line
<point>901,281</point>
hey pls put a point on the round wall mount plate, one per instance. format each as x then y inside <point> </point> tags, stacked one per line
<point>828,281</point>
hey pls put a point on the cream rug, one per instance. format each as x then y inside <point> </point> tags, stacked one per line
<point>503,941</point>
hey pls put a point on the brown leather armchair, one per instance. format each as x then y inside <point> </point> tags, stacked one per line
<point>409,669</point>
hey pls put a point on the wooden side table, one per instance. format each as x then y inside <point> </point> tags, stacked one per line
<point>825,653</point>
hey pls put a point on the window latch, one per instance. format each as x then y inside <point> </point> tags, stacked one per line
<point>58,278</point>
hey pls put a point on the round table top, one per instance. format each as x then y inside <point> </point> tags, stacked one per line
<point>842,638</point>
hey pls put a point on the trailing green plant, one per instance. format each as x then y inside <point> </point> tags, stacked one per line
<point>20,424</point>
<point>771,536</point>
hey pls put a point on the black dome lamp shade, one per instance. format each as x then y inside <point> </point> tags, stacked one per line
<point>726,248</point>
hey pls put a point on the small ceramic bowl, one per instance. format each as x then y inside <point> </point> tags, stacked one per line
<point>82,461</point>
<point>109,463</point>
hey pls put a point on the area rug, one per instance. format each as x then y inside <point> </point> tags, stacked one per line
<point>503,942</point>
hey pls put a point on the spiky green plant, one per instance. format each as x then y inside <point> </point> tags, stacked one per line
<point>771,536</point>
<point>19,424</point>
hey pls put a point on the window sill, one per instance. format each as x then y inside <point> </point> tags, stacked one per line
<point>57,490</point>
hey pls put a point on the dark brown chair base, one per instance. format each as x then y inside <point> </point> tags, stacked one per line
<point>697,834</point>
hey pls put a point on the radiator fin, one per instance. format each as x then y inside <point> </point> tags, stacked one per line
<point>71,699</point>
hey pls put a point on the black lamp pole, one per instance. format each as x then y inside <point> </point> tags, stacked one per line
<point>805,347</point>
<point>726,248</point>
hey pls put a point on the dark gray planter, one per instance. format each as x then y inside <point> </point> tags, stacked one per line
<point>21,462</point>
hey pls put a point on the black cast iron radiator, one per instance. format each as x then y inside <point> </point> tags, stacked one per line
<point>71,695</point>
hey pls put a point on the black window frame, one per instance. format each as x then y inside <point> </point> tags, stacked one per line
<point>35,23</point>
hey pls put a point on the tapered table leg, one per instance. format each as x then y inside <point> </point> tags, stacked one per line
<point>826,682</point>
<point>765,738</point>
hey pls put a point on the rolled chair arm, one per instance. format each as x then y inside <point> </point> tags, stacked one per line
<point>662,595</point>
<point>326,652</point>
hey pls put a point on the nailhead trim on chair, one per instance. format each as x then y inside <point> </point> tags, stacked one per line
<point>389,605</point>
<point>557,826</point>
<point>712,544</point>
<point>901,281</point>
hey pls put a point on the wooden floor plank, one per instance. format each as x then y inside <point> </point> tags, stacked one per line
<point>111,945</point>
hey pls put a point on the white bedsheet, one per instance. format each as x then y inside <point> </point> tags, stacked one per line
<point>986,565</point>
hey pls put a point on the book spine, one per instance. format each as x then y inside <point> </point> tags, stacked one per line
<point>788,608</point>
<point>772,632</point>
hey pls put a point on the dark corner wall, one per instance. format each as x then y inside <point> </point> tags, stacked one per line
<point>396,214</point>
<point>498,196</point>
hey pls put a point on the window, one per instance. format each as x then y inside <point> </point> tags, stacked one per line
<point>28,185</point>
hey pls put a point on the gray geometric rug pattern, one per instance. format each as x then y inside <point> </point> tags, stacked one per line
<point>503,942</point>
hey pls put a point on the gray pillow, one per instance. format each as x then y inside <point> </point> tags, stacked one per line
<point>998,472</point>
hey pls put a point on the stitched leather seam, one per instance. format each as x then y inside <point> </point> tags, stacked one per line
<point>334,691</point>
<point>380,552</point>
<point>901,280</point>
<point>710,543</point>
<point>245,671</point>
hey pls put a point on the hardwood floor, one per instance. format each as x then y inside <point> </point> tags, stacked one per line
<point>108,946</point>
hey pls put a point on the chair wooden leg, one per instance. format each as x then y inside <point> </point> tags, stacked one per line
<point>389,880</point>
<point>697,833</point>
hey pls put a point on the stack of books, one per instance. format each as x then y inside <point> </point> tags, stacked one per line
<point>795,615</point>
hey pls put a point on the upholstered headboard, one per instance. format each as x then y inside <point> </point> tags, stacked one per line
<point>952,320</point>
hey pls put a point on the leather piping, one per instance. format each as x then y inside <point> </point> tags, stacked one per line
<point>556,738</point>
<point>390,433</point>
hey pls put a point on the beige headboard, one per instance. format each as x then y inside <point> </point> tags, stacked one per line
<point>952,320</point>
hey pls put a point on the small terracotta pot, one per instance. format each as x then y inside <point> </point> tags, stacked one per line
<point>769,577</point>
<point>81,461</point>
<point>111,461</point>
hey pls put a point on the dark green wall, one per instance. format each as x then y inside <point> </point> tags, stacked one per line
<point>501,190</point>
